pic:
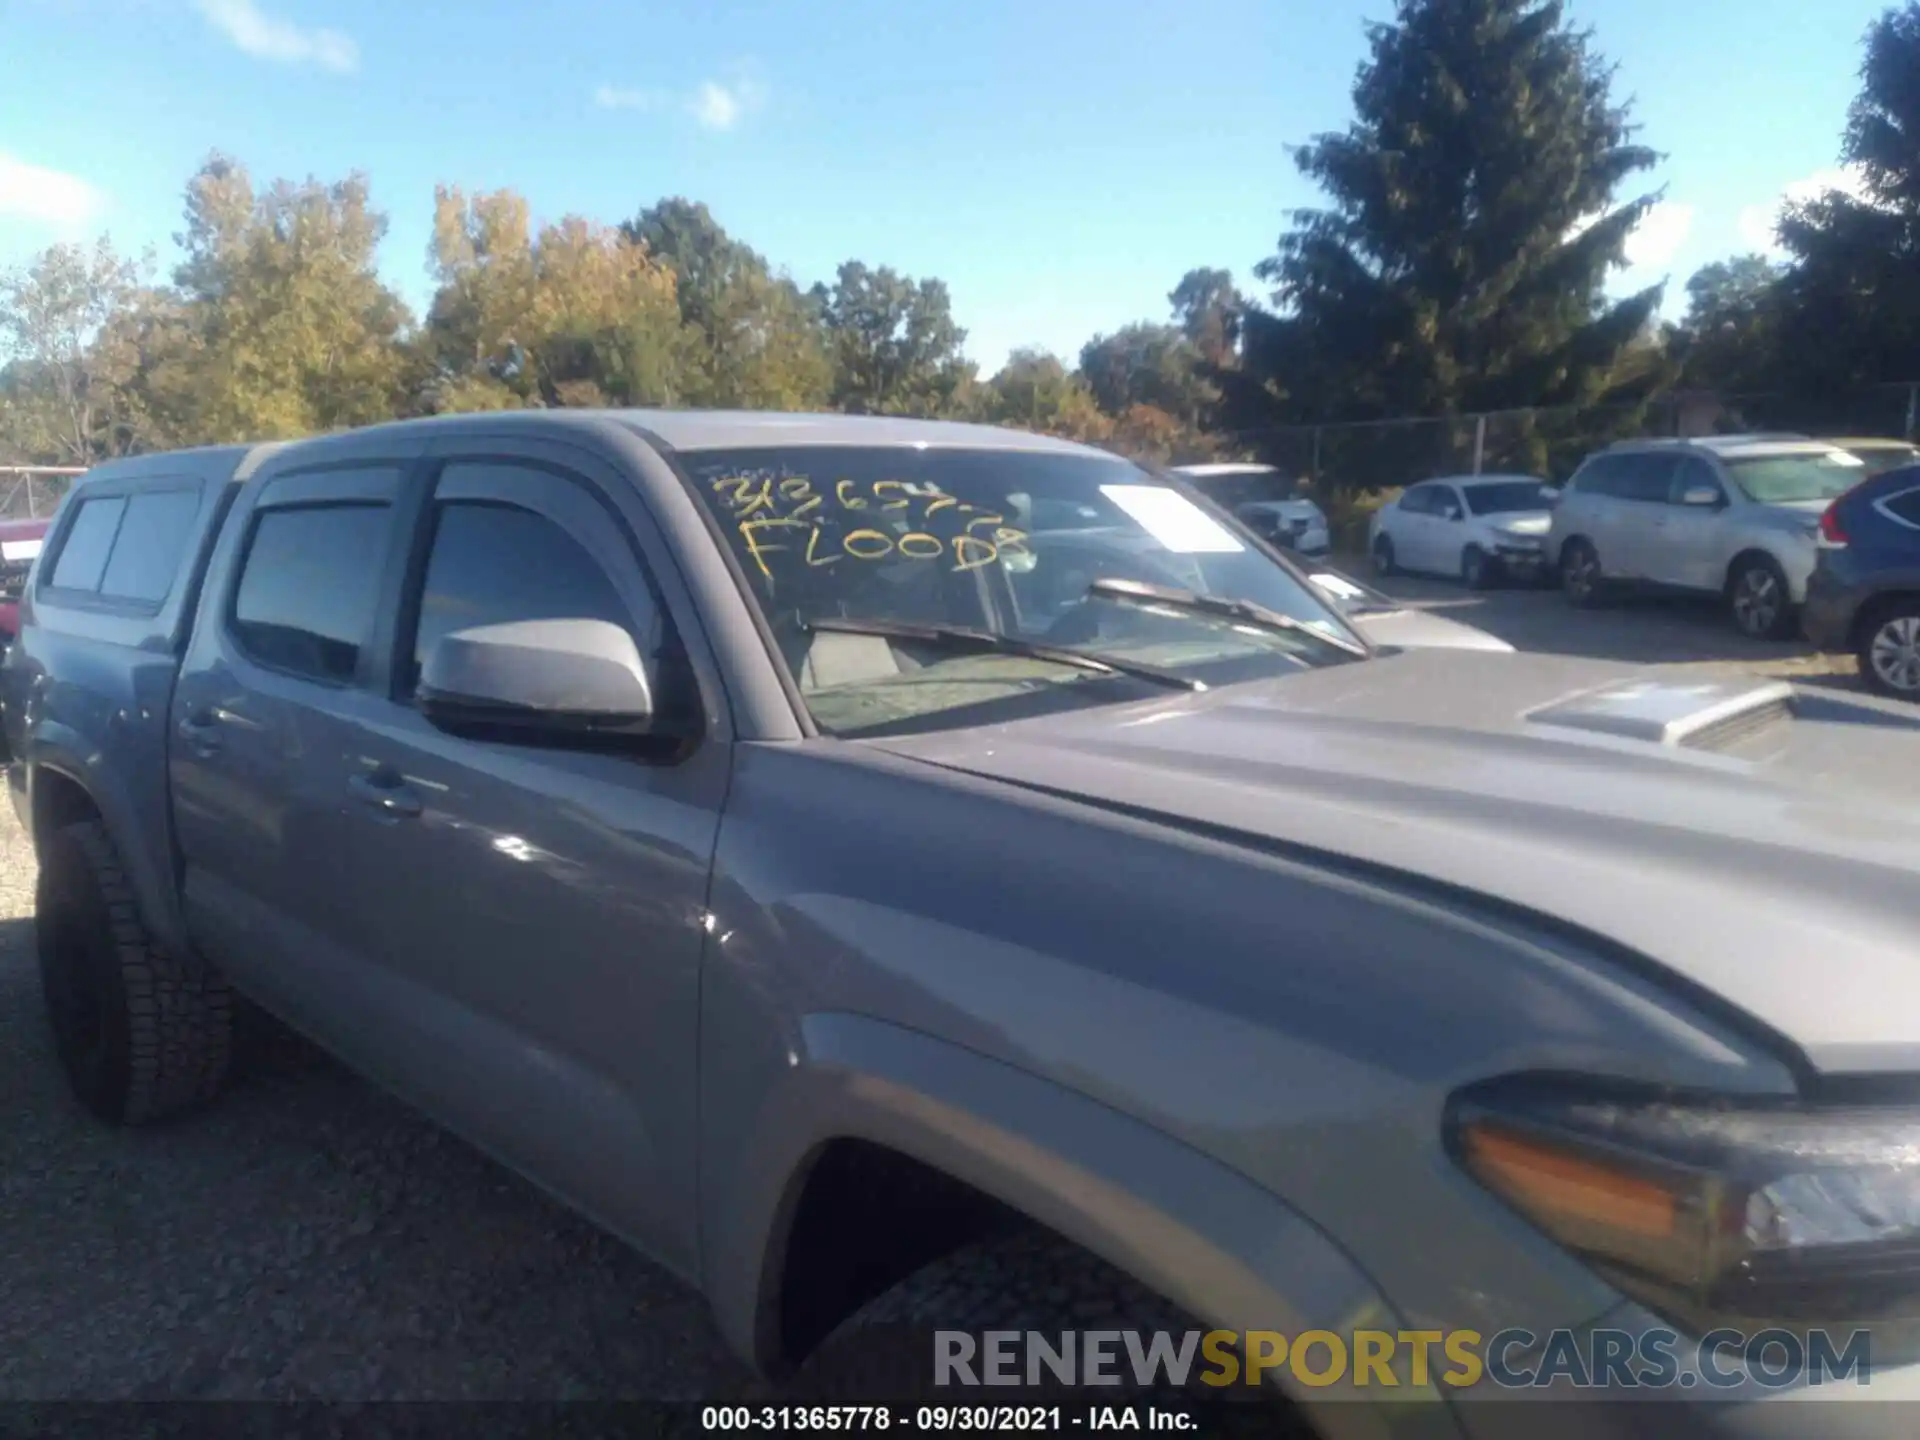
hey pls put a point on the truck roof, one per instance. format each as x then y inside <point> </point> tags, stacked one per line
<point>718,429</point>
<point>688,430</point>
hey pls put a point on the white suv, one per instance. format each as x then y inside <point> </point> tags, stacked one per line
<point>1734,515</point>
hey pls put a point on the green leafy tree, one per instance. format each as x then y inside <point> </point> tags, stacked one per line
<point>1851,296</point>
<point>1146,364</point>
<point>757,342</point>
<point>577,315</point>
<point>1207,307</point>
<point>1731,334</point>
<point>67,398</point>
<point>287,328</point>
<point>895,346</point>
<point>1461,261</point>
<point>1035,391</point>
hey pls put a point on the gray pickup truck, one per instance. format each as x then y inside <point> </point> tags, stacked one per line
<point>740,826</point>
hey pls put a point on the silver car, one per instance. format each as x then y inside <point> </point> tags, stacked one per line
<point>1481,528</point>
<point>1266,501</point>
<point>1733,515</point>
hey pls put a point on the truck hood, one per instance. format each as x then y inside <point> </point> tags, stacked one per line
<point>1757,840</point>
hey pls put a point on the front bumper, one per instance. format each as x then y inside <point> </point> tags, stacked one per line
<point>1521,561</point>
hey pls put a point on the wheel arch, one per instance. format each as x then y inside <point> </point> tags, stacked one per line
<point>62,788</point>
<point>1747,555</point>
<point>1875,609</point>
<point>981,1133</point>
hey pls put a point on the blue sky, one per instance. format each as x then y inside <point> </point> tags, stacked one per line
<point>1060,163</point>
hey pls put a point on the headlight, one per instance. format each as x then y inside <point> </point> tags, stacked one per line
<point>1710,1208</point>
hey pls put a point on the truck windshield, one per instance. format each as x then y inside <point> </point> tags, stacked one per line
<point>1001,541</point>
<point>1797,476</point>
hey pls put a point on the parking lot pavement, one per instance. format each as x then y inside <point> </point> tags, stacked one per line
<point>310,1237</point>
<point>306,1238</point>
<point>1637,629</point>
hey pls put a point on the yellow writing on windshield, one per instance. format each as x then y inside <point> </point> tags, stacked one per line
<point>900,519</point>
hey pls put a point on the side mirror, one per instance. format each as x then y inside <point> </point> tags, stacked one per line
<point>547,678</point>
<point>1703,496</point>
<point>1550,495</point>
<point>1452,512</point>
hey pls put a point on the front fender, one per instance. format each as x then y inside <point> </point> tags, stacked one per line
<point>1207,1238</point>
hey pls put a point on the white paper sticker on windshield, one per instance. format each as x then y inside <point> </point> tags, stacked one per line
<point>19,549</point>
<point>1172,519</point>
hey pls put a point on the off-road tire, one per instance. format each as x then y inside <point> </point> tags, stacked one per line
<point>141,1034</point>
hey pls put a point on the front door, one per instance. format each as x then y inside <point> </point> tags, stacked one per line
<point>539,913</point>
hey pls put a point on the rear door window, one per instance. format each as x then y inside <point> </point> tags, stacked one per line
<point>151,545</point>
<point>88,544</point>
<point>309,587</point>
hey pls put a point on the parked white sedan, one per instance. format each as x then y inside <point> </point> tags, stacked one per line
<point>1481,528</point>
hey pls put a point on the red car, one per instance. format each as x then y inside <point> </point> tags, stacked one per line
<point>19,544</point>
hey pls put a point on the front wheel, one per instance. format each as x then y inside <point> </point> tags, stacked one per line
<point>1889,651</point>
<point>1580,578</point>
<point>140,1033</point>
<point>1476,571</point>
<point>1758,599</point>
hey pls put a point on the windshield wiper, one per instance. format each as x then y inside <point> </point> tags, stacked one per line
<point>962,637</point>
<point>1245,612</point>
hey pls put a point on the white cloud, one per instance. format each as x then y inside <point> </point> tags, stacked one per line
<point>616,97</point>
<point>268,37</point>
<point>47,196</point>
<point>712,104</point>
<point>1757,222</point>
<point>721,106</point>
<point>1660,234</point>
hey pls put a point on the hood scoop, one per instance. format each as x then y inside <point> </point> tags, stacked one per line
<point>1696,715</point>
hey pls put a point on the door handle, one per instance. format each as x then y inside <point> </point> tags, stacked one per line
<point>201,732</point>
<point>388,794</point>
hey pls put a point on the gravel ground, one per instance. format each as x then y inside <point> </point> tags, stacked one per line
<point>310,1238</point>
<point>306,1238</point>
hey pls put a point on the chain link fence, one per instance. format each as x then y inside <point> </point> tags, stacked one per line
<point>34,492</point>
<point>1352,467</point>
